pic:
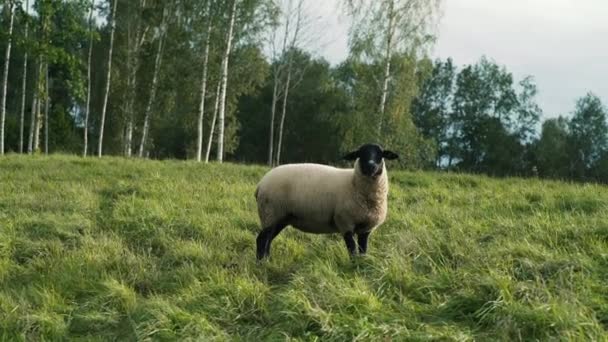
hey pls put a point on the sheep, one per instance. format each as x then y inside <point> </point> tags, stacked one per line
<point>321,199</point>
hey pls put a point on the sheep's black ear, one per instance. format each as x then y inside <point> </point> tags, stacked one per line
<point>351,156</point>
<point>390,155</point>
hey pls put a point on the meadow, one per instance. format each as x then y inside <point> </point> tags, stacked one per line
<point>117,249</point>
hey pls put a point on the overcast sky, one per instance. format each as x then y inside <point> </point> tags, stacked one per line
<point>562,43</point>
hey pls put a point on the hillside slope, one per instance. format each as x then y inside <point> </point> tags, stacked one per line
<point>125,249</point>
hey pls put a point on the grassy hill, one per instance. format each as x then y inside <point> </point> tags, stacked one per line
<point>133,250</point>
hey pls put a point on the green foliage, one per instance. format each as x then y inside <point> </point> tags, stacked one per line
<point>57,34</point>
<point>589,132</point>
<point>117,249</point>
<point>479,120</point>
<point>407,24</point>
<point>313,109</point>
<point>358,81</point>
<point>553,149</point>
<point>431,108</point>
<point>576,148</point>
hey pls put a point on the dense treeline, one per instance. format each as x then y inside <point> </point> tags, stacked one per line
<point>238,80</point>
<point>482,121</point>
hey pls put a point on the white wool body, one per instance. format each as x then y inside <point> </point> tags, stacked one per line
<point>321,199</point>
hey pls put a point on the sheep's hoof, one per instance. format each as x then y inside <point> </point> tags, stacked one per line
<point>262,258</point>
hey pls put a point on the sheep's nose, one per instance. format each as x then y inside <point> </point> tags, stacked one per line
<point>371,162</point>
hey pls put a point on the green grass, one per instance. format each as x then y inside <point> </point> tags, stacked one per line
<point>118,249</point>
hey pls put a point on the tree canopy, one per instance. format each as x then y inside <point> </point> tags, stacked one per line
<point>436,113</point>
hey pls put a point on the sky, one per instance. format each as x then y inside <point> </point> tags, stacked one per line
<point>563,44</point>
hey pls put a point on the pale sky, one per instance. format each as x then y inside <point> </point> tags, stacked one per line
<point>562,43</point>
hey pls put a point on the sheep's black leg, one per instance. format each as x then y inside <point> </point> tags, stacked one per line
<point>262,241</point>
<point>266,236</point>
<point>350,243</point>
<point>362,242</point>
<point>277,229</point>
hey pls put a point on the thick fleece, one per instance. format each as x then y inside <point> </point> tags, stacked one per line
<point>322,199</point>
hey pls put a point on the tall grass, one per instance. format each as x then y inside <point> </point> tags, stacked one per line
<point>116,249</point>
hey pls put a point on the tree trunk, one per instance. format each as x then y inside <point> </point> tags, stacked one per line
<point>30,141</point>
<point>387,67</point>
<point>212,128</point>
<point>287,52</point>
<point>24,82</point>
<point>130,97</point>
<point>273,109</point>
<point>107,88</point>
<point>129,135</point>
<point>224,82</point>
<point>7,60</point>
<point>275,89</point>
<point>282,124</point>
<point>39,92</point>
<point>88,104</point>
<point>157,63</point>
<point>201,107</point>
<point>133,64</point>
<point>47,100</point>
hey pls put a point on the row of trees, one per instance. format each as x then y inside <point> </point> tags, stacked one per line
<point>171,73</point>
<point>240,79</point>
<point>106,70</point>
<point>480,120</point>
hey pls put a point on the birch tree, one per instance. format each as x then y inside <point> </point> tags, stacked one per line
<point>201,108</point>
<point>154,84</point>
<point>37,111</point>
<point>30,141</point>
<point>108,80</point>
<point>47,101</point>
<point>287,53</point>
<point>295,25</point>
<point>7,59</point>
<point>213,119</point>
<point>382,28</point>
<point>134,44</point>
<point>276,73</point>
<point>224,83</point>
<point>284,112</point>
<point>273,109</point>
<point>46,13</point>
<point>88,101</point>
<point>24,78</point>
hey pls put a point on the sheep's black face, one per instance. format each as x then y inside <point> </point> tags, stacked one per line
<point>371,158</point>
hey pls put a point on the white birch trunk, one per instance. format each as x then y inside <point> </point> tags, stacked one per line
<point>107,88</point>
<point>275,89</point>
<point>387,67</point>
<point>292,46</point>
<point>130,95</point>
<point>7,60</point>
<point>212,128</point>
<point>133,62</point>
<point>273,109</point>
<point>24,83</point>
<point>224,82</point>
<point>129,137</point>
<point>88,103</point>
<point>284,112</point>
<point>30,141</point>
<point>47,101</point>
<point>157,63</point>
<point>38,125</point>
<point>201,107</point>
